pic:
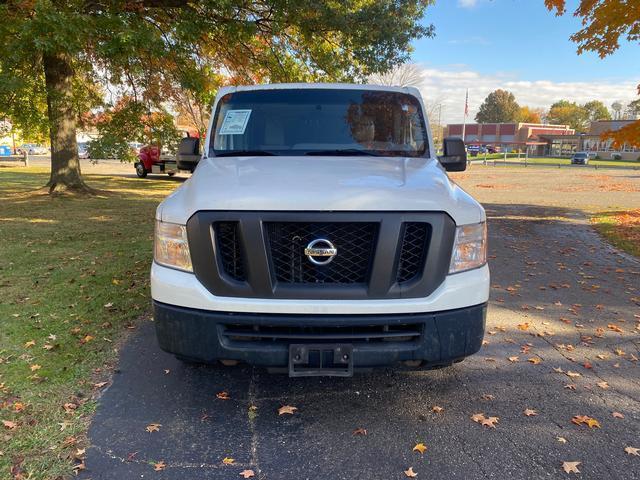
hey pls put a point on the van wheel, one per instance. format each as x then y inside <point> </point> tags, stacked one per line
<point>141,172</point>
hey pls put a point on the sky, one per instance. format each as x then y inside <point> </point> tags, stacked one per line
<point>520,46</point>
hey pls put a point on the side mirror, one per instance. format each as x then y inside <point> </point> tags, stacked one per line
<point>455,155</point>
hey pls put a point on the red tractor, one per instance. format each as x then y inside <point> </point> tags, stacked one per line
<point>152,160</point>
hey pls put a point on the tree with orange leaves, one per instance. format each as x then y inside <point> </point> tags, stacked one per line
<point>604,22</point>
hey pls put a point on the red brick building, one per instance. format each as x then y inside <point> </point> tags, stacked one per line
<point>508,136</point>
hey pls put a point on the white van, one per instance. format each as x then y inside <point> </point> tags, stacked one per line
<point>320,234</point>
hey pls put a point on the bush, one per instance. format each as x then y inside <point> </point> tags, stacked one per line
<point>616,156</point>
<point>597,157</point>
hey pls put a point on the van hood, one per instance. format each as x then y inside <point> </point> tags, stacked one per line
<point>314,183</point>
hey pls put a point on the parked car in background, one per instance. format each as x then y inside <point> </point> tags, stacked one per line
<point>33,149</point>
<point>580,158</point>
<point>491,149</point>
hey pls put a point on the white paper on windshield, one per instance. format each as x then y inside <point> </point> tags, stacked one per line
<point>235,122</point>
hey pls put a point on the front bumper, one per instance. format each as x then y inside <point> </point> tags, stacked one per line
<point>437,338</point>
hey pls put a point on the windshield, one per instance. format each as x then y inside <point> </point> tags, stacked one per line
<point>319,121</point>
<point>580,155</point>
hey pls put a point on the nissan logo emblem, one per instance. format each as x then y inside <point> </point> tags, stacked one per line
<point>320,251</point>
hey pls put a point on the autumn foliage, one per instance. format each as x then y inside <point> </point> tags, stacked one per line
<point>604,22</point>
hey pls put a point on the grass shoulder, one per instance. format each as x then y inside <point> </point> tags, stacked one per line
<point>620,228</point>
<point>74,279</point>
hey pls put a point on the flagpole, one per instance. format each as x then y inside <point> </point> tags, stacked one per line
<point>466,109</point>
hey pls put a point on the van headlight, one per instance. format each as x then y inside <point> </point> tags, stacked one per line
<point>170,246</point>
<point>470,247</point>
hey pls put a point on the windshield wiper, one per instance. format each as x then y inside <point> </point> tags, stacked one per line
<point>244,153</point>
<point>347,152</point>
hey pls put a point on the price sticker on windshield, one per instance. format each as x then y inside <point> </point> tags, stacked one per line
<point>235,122</point>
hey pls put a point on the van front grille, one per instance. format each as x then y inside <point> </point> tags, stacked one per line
<point>355,244</point>
<point>378,255</point>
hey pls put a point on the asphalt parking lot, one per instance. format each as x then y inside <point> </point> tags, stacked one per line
<point>562,339</point>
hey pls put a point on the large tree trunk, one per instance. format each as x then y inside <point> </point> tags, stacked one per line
<point>65,164</point>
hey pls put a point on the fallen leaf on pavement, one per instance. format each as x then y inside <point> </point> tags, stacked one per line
<point>523,326</point>
<point>222,396</point>
<point>437,409</point>
<point>477,417</point>
<point>159,466</point>
<point>561,439</point>
<point>535,360</point>
<point>487,396</point>
<point>287,409</point>
<point>514,359</point>
<point>603,385</point>
<point>420,447</point>
<point>153,427</point>
<point>99,384</point>
<point>632,451</point>
<point>79,466</point>
<point>360,431</point>
<point>247,473</point>
<point>228,461</point>
<point>530,412</point>
<point>592,422</point>
<point>573,374</point>
<point>615,328</point>
<point>571,467</point>
<point>410,473</point>
<point>617,415</point>
<point>490,422</point>
<point>585,420</point>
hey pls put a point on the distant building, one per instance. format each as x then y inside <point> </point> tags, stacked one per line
<point>545,140</point>
<point>565,146</point>
<point>508,136</point>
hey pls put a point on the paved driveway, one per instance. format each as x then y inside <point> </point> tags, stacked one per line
<point>559,295</point>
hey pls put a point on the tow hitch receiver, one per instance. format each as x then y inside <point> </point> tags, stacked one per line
<point>320,360</point>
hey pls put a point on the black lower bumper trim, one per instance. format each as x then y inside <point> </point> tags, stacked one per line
<point>264,339</point>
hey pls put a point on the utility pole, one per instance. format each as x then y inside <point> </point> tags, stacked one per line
<point>466,111</point>
<point>440,128</point>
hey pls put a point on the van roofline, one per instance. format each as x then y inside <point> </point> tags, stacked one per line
<point>340,86</point>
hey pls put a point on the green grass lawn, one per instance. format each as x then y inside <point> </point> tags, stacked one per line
<point>622,229</point>
<point>73,279</point>
<point>513,157</point>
